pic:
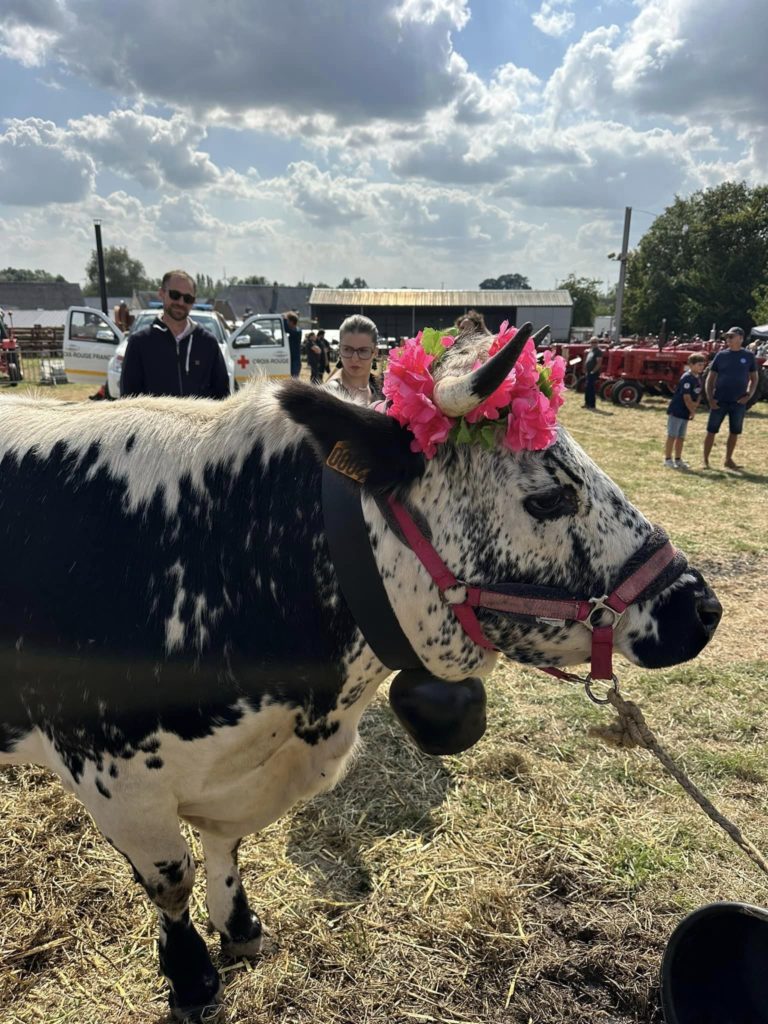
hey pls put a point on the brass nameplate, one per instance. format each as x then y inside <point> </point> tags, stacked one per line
<point>341,460</point>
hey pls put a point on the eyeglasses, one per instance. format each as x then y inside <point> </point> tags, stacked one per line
<point>362,353</point>
<point>184,296</point>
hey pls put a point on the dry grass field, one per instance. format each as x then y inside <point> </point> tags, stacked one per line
<point>532,880</point>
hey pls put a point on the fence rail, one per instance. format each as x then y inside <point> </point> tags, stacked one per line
<point>36,360</point>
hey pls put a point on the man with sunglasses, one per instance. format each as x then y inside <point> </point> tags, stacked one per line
<point>174,355</point>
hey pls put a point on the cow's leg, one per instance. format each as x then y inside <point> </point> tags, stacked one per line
<point>239,927</point>
<point>162,863</point>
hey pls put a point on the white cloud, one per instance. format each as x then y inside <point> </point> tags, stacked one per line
<point>345,60</point>
<point>553,19</point>
<point>38,165</point>
<point>153,151</point>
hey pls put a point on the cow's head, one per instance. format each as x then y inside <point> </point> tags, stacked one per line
<point>550,518</point>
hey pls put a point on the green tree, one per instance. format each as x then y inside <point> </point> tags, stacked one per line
<point>254,279</point>
<point>18,275</point>
<point>205,285</point>
<point>585,295</point>
<point>606,302</point>
<point>359,282</point>
<point>511,282</point>
<point>700,262</point>
<point>123,273</point>
<point>759,311</point>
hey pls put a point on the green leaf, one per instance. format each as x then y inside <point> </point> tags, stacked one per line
<point>431,342</point>
<point>488,435</point>
<point>544,385</point>
<point>464,433</point>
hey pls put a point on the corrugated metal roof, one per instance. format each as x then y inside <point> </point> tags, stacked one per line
<point>39,294</point>
<point>436,297</point>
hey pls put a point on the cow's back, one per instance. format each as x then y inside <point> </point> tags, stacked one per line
<point>161,563</point>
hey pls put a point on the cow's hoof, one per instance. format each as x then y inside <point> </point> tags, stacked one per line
<point>210,1010</point>
<point>249,949</point>
<point>249,946</point>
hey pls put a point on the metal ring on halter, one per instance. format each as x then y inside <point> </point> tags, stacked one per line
<point>599,604</point>
<point>614,687</point>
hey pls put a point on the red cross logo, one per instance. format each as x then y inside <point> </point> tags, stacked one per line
<point>242,362</point>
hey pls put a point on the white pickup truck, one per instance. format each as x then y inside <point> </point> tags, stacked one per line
<point>94,346</point>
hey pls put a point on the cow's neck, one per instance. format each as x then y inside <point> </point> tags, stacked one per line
<point>442,646</point>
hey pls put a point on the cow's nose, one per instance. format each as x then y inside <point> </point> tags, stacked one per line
<point>710,611</point>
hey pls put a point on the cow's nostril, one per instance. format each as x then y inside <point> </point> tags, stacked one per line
<point>710,611</point>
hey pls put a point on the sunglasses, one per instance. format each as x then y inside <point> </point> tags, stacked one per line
<point>362,353</point>
<point>184,296</point>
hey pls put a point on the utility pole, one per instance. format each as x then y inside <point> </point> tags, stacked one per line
<point>622,272</point>
<point>100,261</point>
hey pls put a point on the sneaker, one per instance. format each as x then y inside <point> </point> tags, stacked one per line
<point>681,464</point>
<point>670,464</point>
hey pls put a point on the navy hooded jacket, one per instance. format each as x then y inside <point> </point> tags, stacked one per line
<point>156,363</point>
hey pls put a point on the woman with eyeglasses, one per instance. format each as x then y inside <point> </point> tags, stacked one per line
<point>357,348</point>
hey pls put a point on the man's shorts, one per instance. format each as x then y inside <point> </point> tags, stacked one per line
<point>676,427</point>
<point>735,413</point>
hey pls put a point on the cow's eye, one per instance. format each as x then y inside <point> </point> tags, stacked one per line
<point>551,504</point>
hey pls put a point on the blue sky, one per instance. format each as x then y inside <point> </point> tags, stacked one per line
<point>418,142</point>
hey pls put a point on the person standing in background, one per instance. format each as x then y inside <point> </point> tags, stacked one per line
<point>291,321</point>
<point>592,366</point>
<point>731,382</point>
<point>174,355</point>
<point>357,346</point>
<point>682,409</point>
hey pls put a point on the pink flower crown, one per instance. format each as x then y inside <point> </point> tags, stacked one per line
<point>521,413</point>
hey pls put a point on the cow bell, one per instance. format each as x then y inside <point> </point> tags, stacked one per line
<point>715,967</point>
<point>440,717</point>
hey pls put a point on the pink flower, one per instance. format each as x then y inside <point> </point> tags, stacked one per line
<point>409,386</point>
<point>531,424</point>
<point>506,333</point>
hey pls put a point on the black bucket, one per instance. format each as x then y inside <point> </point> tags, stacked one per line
<point>715,967</point>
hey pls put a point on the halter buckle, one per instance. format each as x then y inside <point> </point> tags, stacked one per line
<point>600,604</point>
<point>457,594</point>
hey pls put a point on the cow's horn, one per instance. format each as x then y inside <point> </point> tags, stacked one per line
<point>541,334</point>
<point>456,396</point>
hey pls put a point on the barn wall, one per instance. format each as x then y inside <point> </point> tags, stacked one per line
<point>558,318</point>
<point>401,321</point>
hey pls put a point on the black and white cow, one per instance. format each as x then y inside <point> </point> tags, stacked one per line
<point>173,640</point>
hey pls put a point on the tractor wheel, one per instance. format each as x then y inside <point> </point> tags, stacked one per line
<point>581,385</point>
<point>605,391</point>
<point>761,391</point>
<point>570,380</point>
<point>14,374</point>
<point>627,392</point>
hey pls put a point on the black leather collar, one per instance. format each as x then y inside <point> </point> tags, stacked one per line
<point>358,573</point>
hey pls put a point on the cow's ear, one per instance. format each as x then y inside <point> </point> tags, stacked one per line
<point>365,444</point>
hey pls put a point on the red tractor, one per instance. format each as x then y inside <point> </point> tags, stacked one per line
<point>575,355</point>
<point>629,373</point>
<point>11,371</point>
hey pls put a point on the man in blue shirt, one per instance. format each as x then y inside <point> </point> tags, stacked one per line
<point>731,382</point>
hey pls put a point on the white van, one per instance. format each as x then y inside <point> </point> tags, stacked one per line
<point>94,346</point>
<point>260,344</point>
